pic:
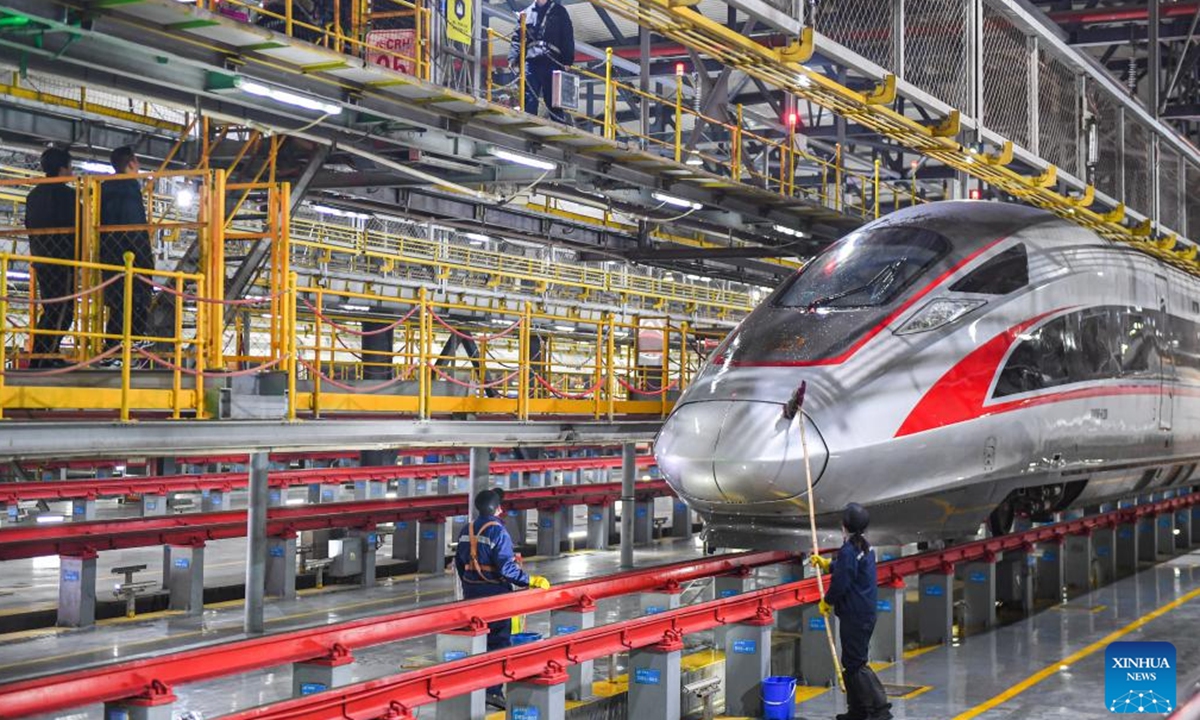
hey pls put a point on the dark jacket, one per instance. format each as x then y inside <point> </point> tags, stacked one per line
<point>122,203</point>
<point>852,587</point>
<point>548,33</point>
<point>52,206</point>
<point>494,550</point>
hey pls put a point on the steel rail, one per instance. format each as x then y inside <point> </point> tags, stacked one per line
<point>194,529</point>
<point>163,484</point>
<point>395,696</point>
<point>153,675</point>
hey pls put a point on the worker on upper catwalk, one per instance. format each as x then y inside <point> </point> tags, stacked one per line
<point>52,206</point>
<point>487,566</point>
<point>122,203</point>
<point>549,46</point>
<point>852,595</point>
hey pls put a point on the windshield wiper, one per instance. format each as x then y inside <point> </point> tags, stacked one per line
<point>890,267</point>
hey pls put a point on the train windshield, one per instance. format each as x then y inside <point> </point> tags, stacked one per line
<point>866,269</point>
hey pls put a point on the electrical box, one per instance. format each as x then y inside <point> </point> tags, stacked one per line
<point>564,90</point>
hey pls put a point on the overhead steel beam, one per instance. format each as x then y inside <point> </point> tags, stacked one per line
<point>721,253</point>
<point>28,441</point>
<point>27,124</point>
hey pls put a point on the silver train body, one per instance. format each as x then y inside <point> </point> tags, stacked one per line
<point>966,362</point>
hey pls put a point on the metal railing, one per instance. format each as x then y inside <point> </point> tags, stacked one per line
<point>519,361</point>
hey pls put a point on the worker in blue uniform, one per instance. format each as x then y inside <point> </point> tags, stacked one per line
<point>487,566</point>
<point>852,595</point>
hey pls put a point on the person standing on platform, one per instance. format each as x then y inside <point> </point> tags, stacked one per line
<point>487,567</point>
<point>549,46</point>
<point>122,204</point>
<point>852,595</point>
<point>52,206</point>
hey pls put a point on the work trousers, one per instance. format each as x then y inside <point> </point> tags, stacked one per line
<point>539,81</point>
<point>53,281</point>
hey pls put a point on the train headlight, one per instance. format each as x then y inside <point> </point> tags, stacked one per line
<point>937,313</point>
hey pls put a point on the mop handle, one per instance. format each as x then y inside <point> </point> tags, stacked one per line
<point>794,407</point>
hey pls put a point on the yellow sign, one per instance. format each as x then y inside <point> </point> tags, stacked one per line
<point>460,25</point>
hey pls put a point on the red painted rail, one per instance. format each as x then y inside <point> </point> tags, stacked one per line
<point>152,676</point>
<point>163,484</point>
<point>195,529</point>
<point>396,696</point>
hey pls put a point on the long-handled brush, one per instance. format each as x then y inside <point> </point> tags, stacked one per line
<point>794,408</point>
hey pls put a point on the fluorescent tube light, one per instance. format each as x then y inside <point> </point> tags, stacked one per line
<point>288,98</point>
<point>676,201</point>
<point>785,230</point>
<point>95,167</point>
<point>523,159</point>
<point>356,308</point>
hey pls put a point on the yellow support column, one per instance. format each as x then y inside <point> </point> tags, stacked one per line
<point>521,60</point>
<point>126,336</point>
<point>736,157</point>
<point>525,364</point>
<point>610,366</point>
<point>683,354</point>
<point>177,355</point>
<point>598,373</point>
<point>837,177</point>
<point>3,326</point>
<point>876,186</point>
<point>316,378</point>
<point>290,309</point>
<point>610,103</point>
<point>216,268</point>
<point>423,357</point>
<point>678,117</point>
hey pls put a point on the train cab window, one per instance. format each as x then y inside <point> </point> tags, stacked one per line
<point>1005,273</point>
<point>866,269</point>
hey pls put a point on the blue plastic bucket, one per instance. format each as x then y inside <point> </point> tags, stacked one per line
<point>779,698</point>
<point>522,638</point>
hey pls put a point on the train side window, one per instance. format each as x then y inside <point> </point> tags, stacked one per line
<point>1005,273</point>
<point>1049,357</point>
<point>1099,352</point>
<point>1139,350</point>
<point>1186,347</point>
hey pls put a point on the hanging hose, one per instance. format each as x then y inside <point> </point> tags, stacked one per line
<point>794,408</point>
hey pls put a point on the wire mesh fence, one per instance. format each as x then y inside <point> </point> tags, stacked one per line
<point>1192,201</point>
<point>935,48</point>
<point>1005,77</point>
<point>1058,110</point>
<point>1106,113</point>
<point>1137,166</point>
<point>863,26</point>
<point>1169,200</point>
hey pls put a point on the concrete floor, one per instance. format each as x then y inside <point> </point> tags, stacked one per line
<point>33,584</point>
<point>1062,648</point>
<point>1067,642</point>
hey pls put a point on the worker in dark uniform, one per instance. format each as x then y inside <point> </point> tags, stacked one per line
<point>549,46</point>
<point>852,596</point>
<point>52,206</point>
<point>122,203</point>
<point>487,567</point>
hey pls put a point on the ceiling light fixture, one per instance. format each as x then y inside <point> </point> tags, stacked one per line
<point>356,308</point>
<point>476,238</point>
<point>520,159</point>
<point>286,97</point>
<point>676,201</point>
<point>95,167</point>
<point>785,230</point>
<point>337,212</point>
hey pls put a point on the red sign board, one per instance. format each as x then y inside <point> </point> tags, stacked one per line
<point>393,49</point>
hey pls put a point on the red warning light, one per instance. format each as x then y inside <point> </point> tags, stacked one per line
<point>678,69</point>
<point>793,119</point>
<point>975,194</point>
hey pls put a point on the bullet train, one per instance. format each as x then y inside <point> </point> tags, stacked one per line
<point>965,363</point>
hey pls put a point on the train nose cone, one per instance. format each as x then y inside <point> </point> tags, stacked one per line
<point>737,452</point>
